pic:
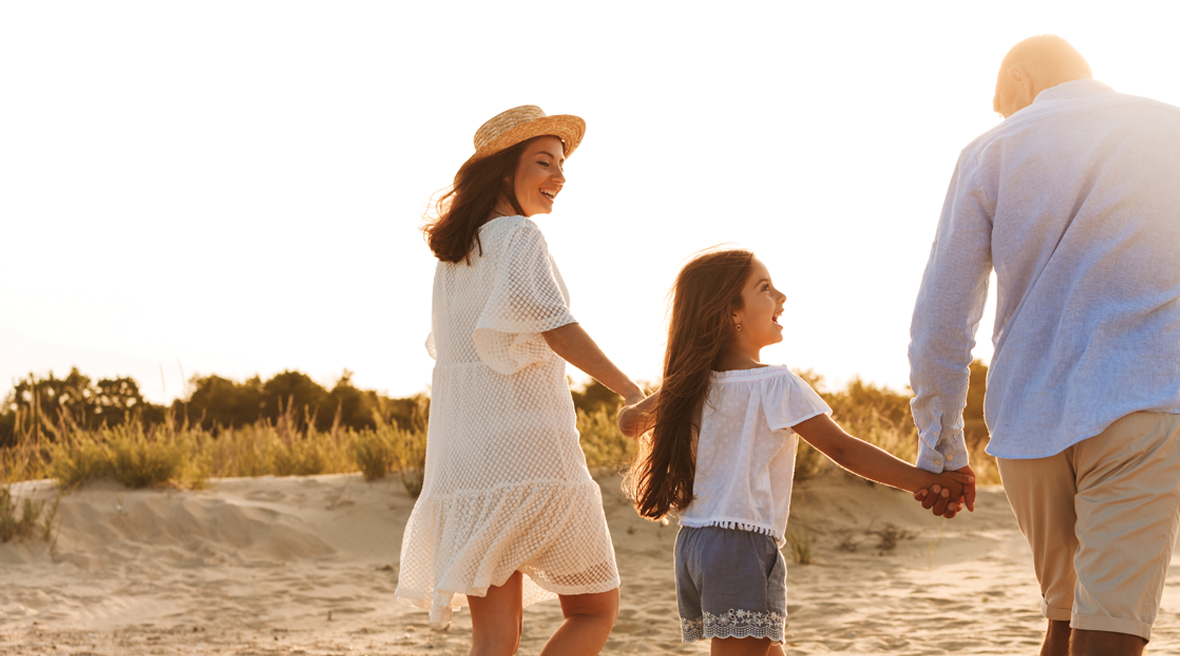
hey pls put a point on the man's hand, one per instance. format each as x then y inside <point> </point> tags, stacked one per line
<point>938,499</point>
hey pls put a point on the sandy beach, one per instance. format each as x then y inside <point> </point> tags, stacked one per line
<point>308,565</point>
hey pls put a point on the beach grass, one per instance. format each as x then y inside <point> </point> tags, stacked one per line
<point>138,455</point>
<point>26,518</point>
<point>177,453</point>
<point>174,453</point>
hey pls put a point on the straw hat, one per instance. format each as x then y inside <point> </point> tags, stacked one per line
<point>518,124</point>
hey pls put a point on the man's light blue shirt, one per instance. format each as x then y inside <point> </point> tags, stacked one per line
<point>1075,202</point>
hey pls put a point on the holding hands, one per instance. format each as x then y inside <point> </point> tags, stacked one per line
<point>634,418</point>
<point>949,498</point>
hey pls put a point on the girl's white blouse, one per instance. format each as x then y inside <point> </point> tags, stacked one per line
<point>506,487</point>
<point>746,449</point>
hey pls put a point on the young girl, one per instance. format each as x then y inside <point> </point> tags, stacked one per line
<point>722,454</point>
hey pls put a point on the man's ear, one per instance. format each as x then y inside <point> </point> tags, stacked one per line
<point>1021,81</point>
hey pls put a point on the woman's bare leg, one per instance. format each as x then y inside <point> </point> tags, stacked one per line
<point>497,619</point>
<point>588,621</point>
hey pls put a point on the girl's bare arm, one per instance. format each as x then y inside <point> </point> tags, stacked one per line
<point>635,420</point>
<point>868,461</point>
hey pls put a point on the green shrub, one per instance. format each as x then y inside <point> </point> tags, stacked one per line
<point>373,451</point>
<point>123,453</point>
<point>244,451</point>
<point>302,457</point>
<point>79,458</point>
<point>140,462</point>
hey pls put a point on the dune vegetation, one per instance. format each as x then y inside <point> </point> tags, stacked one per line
<point>74,430</point>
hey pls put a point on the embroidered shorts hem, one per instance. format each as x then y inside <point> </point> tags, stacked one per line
<point>730,584</point>
<point>735,624</point>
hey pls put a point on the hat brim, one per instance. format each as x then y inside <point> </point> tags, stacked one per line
<point>567,127</point>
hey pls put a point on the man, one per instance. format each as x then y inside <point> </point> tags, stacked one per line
<point>1074,200</point>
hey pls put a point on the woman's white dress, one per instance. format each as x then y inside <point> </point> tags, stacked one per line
<point>506,486</point>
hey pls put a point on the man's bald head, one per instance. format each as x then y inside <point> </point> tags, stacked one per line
<point>1033,65</point>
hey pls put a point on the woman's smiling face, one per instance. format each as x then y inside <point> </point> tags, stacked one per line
<point>539,176</point>
<point>762,305</point>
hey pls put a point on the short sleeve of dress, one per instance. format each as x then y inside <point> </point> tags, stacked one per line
<point>788,401</point>
<point>527,299</point>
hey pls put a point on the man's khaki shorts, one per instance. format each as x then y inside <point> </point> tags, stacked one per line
<point>1101,518</point>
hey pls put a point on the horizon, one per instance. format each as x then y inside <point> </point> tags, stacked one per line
<point>576,385</point>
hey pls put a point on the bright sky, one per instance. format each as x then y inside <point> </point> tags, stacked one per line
<point>235,188</point>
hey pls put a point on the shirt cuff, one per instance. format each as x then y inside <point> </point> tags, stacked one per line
<point>949,453</point>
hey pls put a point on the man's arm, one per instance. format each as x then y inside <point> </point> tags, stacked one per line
<point>946,317</point>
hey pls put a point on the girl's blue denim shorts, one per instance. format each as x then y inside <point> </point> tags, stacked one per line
<point>730,584</point>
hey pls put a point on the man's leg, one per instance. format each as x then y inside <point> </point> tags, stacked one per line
<point>1089,643</point>
<point>1056,639</point>
<point>1127,509</point>
<point>1105,643</point>
<point>1041,492</point>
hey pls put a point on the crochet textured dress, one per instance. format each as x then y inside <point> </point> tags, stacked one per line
<point>506,486</point>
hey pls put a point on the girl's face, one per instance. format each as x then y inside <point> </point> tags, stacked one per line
<point>762,305</point>
<point>539,177</point>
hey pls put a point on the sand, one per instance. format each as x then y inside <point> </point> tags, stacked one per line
<point>308,565</point>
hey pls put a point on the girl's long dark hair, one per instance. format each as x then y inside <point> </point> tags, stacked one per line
<point>707,291</point>
<point>465,207</point>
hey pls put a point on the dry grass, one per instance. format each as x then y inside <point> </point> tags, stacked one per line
<point>34,520</point>
<point>888,536</point>
<point>799,539</point>
<point>603,443</point>
<point>181,455</point>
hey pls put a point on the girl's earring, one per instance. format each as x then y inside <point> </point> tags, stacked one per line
<point>739,327</point>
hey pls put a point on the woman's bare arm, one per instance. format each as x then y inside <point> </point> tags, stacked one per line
<point>575,346</point>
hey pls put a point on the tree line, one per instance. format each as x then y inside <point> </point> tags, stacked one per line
<point>215,403</point>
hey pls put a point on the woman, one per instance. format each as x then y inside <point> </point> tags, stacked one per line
<point>508,513</point>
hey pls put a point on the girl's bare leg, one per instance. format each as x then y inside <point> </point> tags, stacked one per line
<point>497,619</point>
<point>588,621</point>
<point>744,647</point>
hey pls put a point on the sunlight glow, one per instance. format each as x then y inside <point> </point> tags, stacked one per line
<point>236,188</point>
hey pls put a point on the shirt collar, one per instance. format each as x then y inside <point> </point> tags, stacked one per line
<point>1073,89</point>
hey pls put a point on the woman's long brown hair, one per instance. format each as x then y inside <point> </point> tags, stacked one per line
<point>707,291</point>
<point>469,202</point>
